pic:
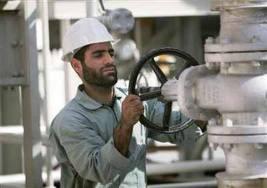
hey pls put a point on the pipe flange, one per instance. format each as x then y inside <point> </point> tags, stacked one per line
<point>235,57</point>
<point>237,139</point>
<point>227,176</point>
<point>241,181</point>
<point>235,47</point>
<point>234,4</point>
<point>237,130</point>
<point>237,134</point>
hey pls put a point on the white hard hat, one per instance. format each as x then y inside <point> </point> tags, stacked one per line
<point>81,33</point>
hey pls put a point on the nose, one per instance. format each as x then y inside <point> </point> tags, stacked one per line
<point>109,59</point>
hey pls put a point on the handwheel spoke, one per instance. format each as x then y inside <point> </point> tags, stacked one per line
<point>150,95</point>
<point>167,115</point>
<point>160,75</point>
<point>142,90</point>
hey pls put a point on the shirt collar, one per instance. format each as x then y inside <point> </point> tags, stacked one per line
<point>83,99</point>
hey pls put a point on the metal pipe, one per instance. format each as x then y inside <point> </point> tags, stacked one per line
<point>199,184</point>
<point>43,7</point>
<point>184,166</point>
<point>30,98</point>
<point>91,8</point>
<point>64,25</point>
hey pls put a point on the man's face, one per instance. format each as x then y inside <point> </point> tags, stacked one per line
<point>98,66</point>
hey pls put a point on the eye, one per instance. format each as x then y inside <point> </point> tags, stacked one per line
<point>98,54</point>
<point>111,53</point>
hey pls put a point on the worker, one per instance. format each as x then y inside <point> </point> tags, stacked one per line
<point>97,137</point>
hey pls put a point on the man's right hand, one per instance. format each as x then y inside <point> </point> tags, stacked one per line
<point>132,108</point>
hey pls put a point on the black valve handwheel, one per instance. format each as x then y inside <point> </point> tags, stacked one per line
<point>149,58</point>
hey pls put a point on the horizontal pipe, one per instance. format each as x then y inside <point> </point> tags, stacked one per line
<point>19,179</point>
<point>152,169</point>
<point>13,134</point>
<point>184,166</point>
<point>200,184</point>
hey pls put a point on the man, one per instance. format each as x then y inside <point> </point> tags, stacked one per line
<point>97,138</point>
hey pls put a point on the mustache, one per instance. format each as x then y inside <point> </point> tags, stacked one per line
<point>109,66</point>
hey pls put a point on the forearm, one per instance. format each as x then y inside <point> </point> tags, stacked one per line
<point>122,137</point>
<point>132,108</point>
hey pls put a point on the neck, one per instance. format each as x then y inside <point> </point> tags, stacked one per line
<point>103,95</point>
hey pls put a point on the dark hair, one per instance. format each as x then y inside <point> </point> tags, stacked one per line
<point>80,53</point>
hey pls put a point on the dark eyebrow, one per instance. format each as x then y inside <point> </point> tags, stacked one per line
<point>102,51</point>
<point>98,51</point>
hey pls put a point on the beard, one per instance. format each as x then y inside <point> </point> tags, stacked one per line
<point>93,77</point>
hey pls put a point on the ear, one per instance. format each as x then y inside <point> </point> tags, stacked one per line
<point>77,66</point>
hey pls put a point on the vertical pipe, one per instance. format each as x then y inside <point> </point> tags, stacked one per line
<point>242,23</point>
<point>30,98</point>
<point>138,34</point>
<point>192,35</point>
<point>64,25</point>
<point>43,6</point>
<point>91,8</point>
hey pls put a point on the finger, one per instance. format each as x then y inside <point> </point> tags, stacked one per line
<point>139,107</point>
<point>132,97</point>
<point>138,111</point>
<point>136,117</point>
<point>133,104</point>
<point>136,108</point>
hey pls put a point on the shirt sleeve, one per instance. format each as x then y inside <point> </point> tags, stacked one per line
<point>89,154</point>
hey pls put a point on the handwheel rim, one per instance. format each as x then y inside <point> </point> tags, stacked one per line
<point>133,78</point>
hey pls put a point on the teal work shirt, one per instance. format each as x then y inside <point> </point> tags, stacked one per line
<point>82,138</point>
